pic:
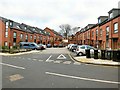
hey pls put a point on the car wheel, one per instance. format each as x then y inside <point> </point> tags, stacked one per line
<point>80,53</point>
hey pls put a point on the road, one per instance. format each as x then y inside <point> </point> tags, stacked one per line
<point>54,68</point>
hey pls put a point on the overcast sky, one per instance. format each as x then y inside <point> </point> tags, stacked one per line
<point>52,13</point>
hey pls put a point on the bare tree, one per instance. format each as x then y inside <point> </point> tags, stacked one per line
<point>75,29</point>
<point>65,29</point>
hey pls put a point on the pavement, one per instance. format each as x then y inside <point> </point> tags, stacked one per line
<point>22,53</point>
<point>83,59</point>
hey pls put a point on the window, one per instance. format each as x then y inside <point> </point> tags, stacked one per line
<point>97,32</point>
<point>111,15</point>
<point>34,37</point>
<point>6,34</point>
<point>6,44</point>
<point>32,44</point>
<point>14,43</point>
<point>92,33</point>
<point>99,21</point>
<point>14,35</point>
<point>25,27</point>
<point>33,29</point>
<point>100,32</point>
<point>26,36</point>
<point>31,37</point>
<point>116,28</point>
<point>40,37</point>
<point>82,47</point>
<point>11,23</point>
<point>107,30</point>
<point>21,36</point>
<point>6,29</point>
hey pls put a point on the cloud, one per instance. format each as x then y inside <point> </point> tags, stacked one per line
<point>53,13</point>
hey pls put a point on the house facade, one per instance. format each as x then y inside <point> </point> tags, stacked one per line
<point>103,35</point>
<point>12,33</point>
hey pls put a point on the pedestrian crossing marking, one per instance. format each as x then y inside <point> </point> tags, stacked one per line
<point>61,56</point>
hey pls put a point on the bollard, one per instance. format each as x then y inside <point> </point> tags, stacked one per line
<point>88,53</point>
<point>103,54</point>
<point>95,54</point>
<point>114,55</point>
<point>109,55</point>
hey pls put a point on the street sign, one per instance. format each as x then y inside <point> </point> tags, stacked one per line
<point>61,56</point>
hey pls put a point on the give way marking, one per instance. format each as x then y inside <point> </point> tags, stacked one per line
<point>81,78</point>
<point>61,56</point>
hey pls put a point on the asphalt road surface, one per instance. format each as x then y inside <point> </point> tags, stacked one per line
<point>54,68</point>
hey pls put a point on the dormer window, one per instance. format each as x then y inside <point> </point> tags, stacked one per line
<point>18,27</point>
<point>111,15</point>
<point>33,29</point>
<point>25,27</point>
<point>11,23</point>
<point>99,20</point>
<point>6,23</point>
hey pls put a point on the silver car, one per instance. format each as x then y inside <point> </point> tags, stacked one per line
<point>81,49</point>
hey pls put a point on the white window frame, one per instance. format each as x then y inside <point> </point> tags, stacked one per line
<point>101,31</point>
<point>115,28</point>
<point>21,36</point>
<point>14,34</point>
<point>107,30</point>
<point>6,43</point>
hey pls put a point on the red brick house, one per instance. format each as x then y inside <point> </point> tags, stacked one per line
<point>12,33</point>
<point>105,34</point>
<point>54,37</point>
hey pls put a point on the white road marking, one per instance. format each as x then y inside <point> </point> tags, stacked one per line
<point>34,59</point>
<point>67,62</point>
<point>49,61</point>
<point>61,56</point>
<point>77,63</point>
<point>49,57</point>
<point>40,60</point>
<point>12,66</point>
<point>82,78</point>
<point>29,58</point>
<point>57,61</point>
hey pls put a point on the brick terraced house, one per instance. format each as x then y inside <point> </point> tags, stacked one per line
<point>12,33</point>
<point>103,35</point>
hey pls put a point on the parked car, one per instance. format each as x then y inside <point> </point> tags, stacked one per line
<point>81,49</point>
<point>29,45</point>
<point>73,47</point>
<point>55,45</point>
<point>42,46</point>
<point>49,45</point>
<point>60,45</point>
<point>68,46</point>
